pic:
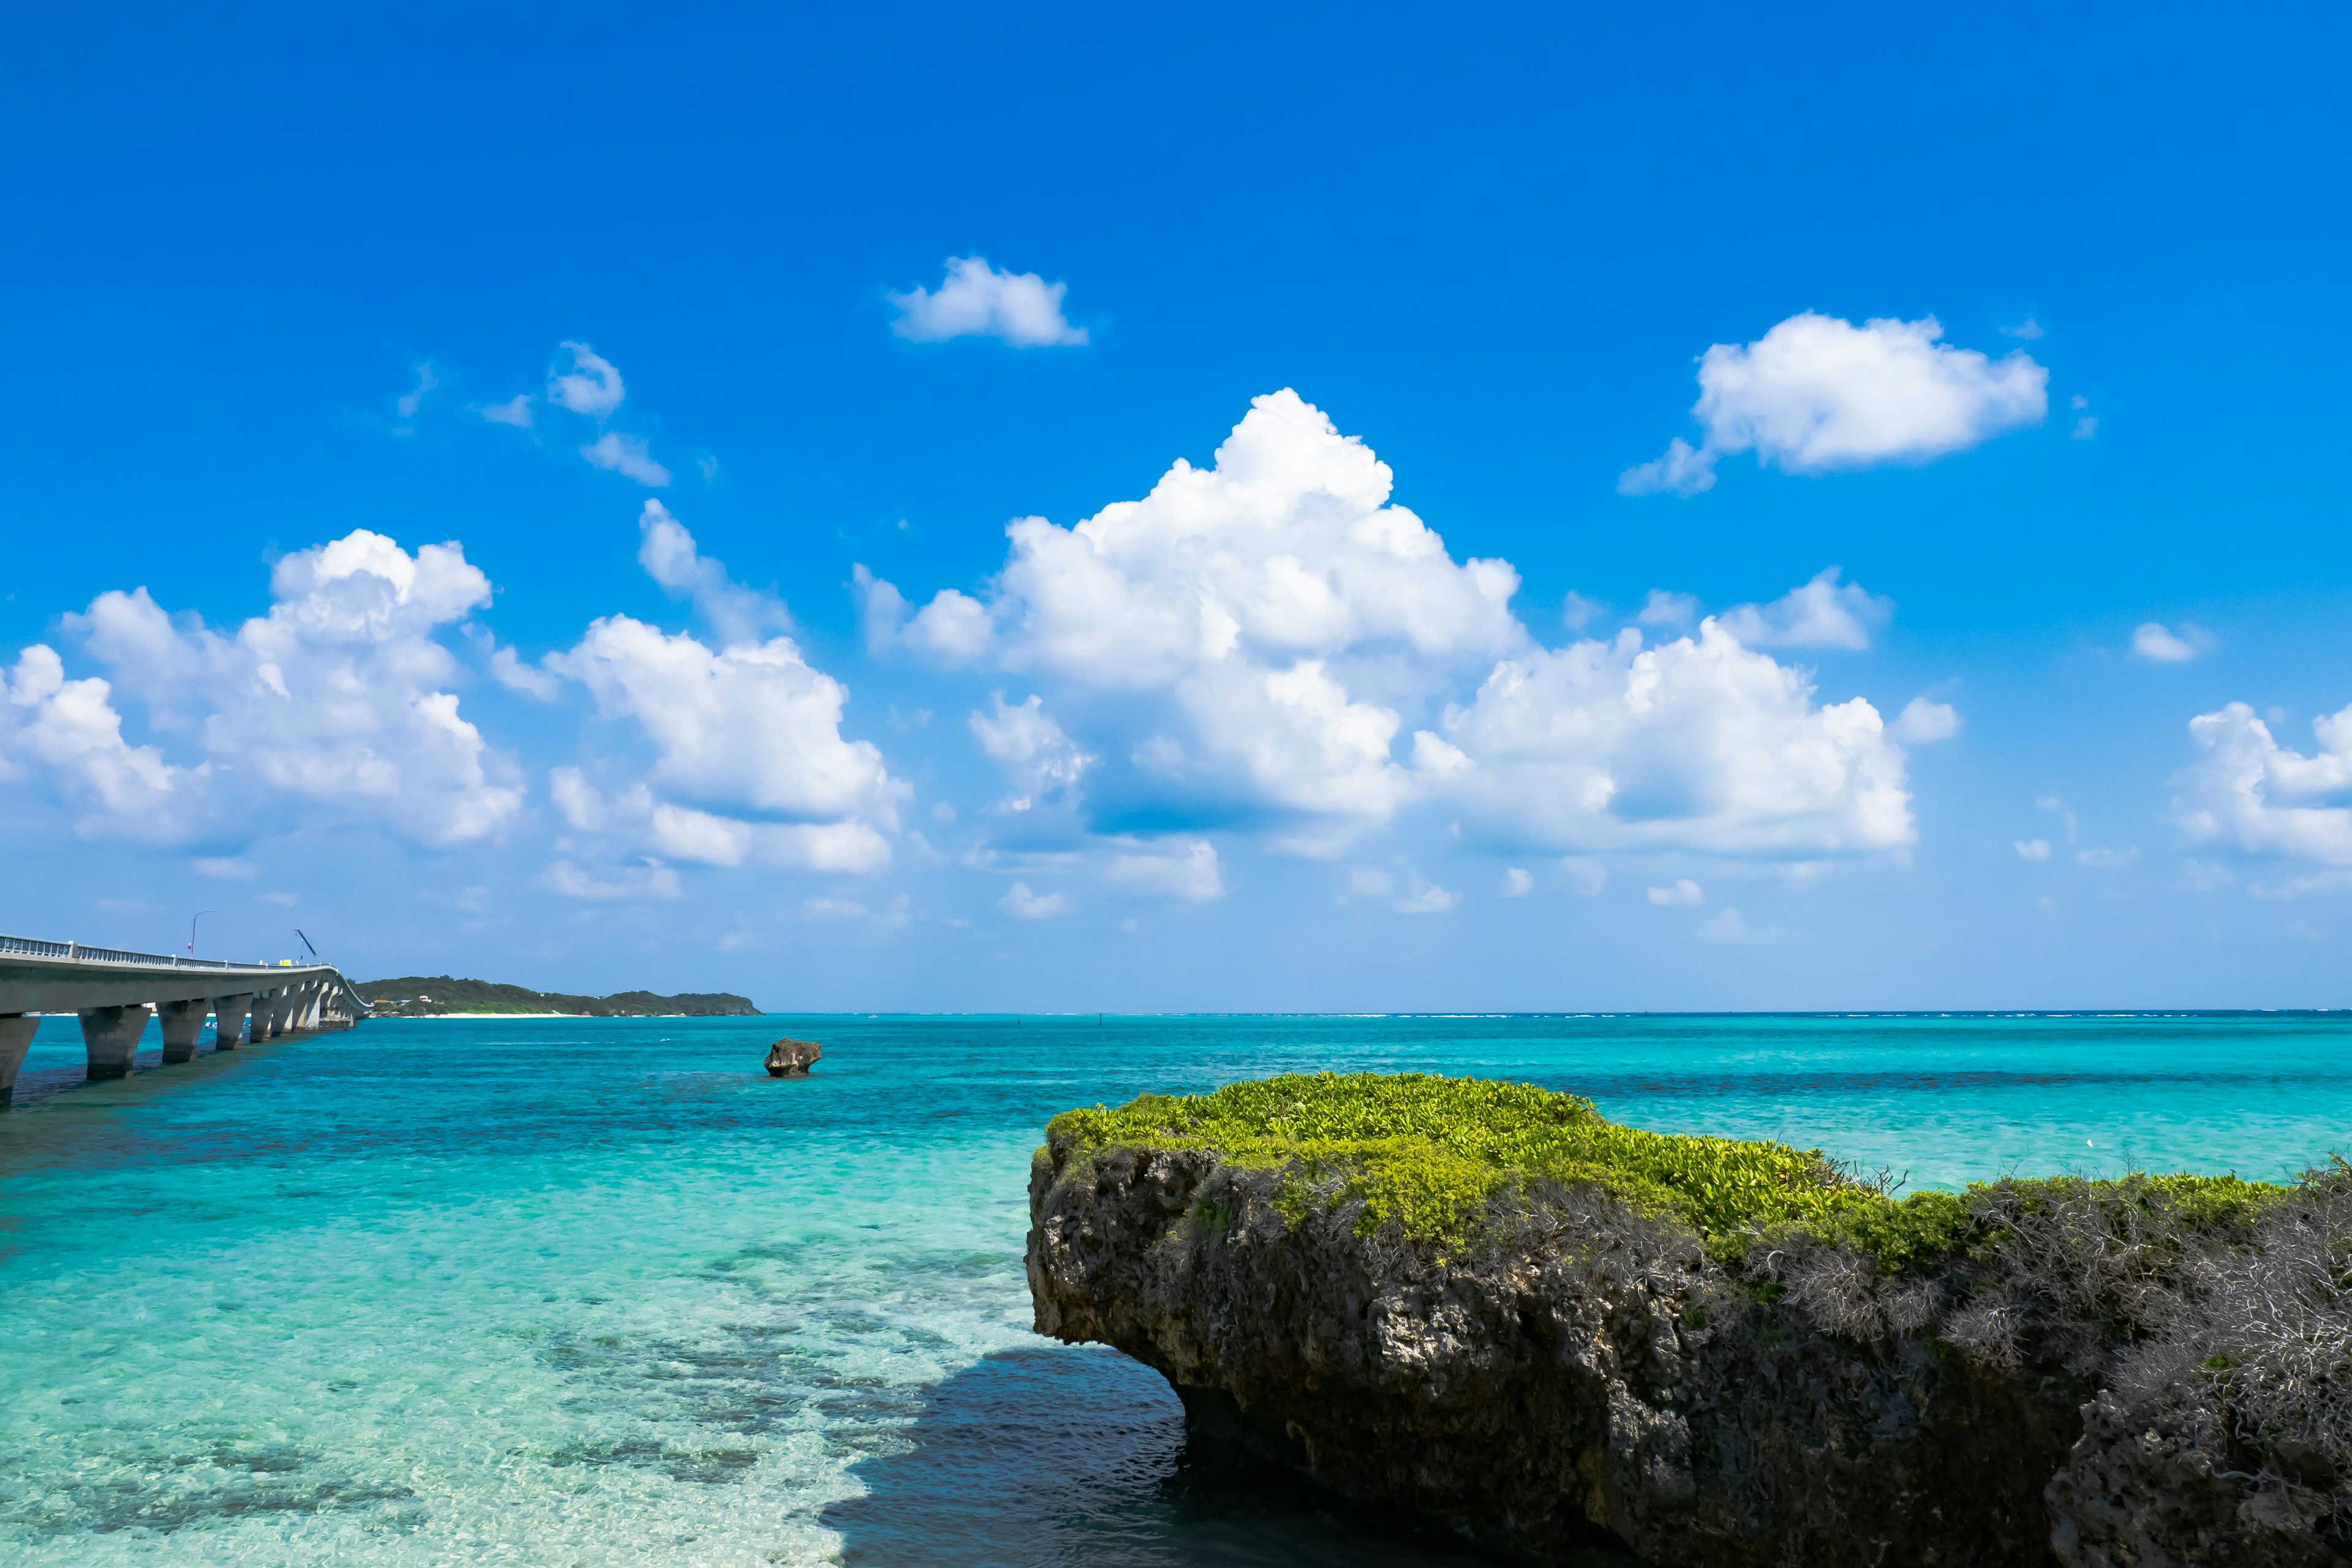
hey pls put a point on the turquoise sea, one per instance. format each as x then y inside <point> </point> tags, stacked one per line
<point>585,1292</point>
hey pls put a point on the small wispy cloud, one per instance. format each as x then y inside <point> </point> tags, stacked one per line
<point>627,456</point>
<point>1023,904</point>
<point>977,300</point>
<point>592,386</point>
<point>2159,643</point>
<point>412,400</point>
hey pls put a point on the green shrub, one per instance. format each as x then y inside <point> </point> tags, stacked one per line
<point>1432,1154</point>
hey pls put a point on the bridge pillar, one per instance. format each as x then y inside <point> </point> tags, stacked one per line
<point>184,1026</point>
<point>15,1036</point>
<point>228,1020</point>
<point>110,1036</point>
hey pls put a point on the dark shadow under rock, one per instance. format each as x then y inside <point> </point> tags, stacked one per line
<point>1109,1478</point>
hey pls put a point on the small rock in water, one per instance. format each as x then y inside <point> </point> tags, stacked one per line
<point>788,1058</point>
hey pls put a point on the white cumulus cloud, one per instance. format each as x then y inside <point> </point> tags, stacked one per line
<point>2246,791</point>
<point>1517,883</point>
<point>1818,394</point>
<point>334,701</point>
<point>1824,613</point>
<point>1270,642</point>
<point>1234,602</point>
<point>752,727</point>
<point>748,761</point>
<point>1188,869</point>
<point>1698,743</point>
<point>977,300</point>
<point>1684,891</point>
<point>2032,848</point>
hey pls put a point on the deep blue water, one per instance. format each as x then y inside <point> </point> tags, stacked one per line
<point>563,1291</point>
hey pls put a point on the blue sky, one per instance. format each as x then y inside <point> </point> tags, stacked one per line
<point>361,344</point>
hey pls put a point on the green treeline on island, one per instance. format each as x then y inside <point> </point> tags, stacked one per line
<point>429,995</point>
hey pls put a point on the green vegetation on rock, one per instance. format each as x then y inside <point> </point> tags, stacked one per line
<point>1431,1155</point>
<point>430,995</point>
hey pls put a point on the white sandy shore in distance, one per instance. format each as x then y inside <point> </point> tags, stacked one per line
<point>389,1016</point>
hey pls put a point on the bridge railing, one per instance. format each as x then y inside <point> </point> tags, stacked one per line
<point>33,947</point>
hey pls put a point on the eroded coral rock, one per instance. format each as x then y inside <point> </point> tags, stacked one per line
<point>1572,1371</point>
<point>788,1058</point>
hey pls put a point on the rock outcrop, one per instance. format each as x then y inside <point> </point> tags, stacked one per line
<point>1573,1370</point>
<point>788,1058</point>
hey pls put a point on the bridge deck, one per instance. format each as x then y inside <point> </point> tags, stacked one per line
<point>112,991</point>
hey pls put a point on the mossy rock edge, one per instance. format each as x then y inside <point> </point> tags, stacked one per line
<point>1434,1158</point>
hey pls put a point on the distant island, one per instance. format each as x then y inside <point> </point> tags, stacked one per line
<point>431,995</point>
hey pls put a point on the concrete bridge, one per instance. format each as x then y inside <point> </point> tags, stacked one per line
<point>115,991</point>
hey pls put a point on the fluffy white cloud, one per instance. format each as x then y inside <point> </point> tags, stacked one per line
<point>1187,870</point>
<point>1923,722</point>
<point>1042,762</point>
<point>333,698</point>
<point>627,455</point>
<point>1698,743</point>
<point>977,300</point>
<point>1270,638</point>
<point>2032,848</point>
<point>1685,891</point>
<point>749,763</point>
<point>2248,793</point>
<point>1517,883</point>
<point>1237,599</point>
<point>592,386</point>
<point>72,726</point>
<point>753,727</point>
<point>1286,548</point>
<point>1817,394</point>
<point>1824,613</point>
<point>2153,641</point>
<point>514,411</point>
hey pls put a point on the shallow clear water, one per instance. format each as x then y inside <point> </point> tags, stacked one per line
<point>563,1291</point>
